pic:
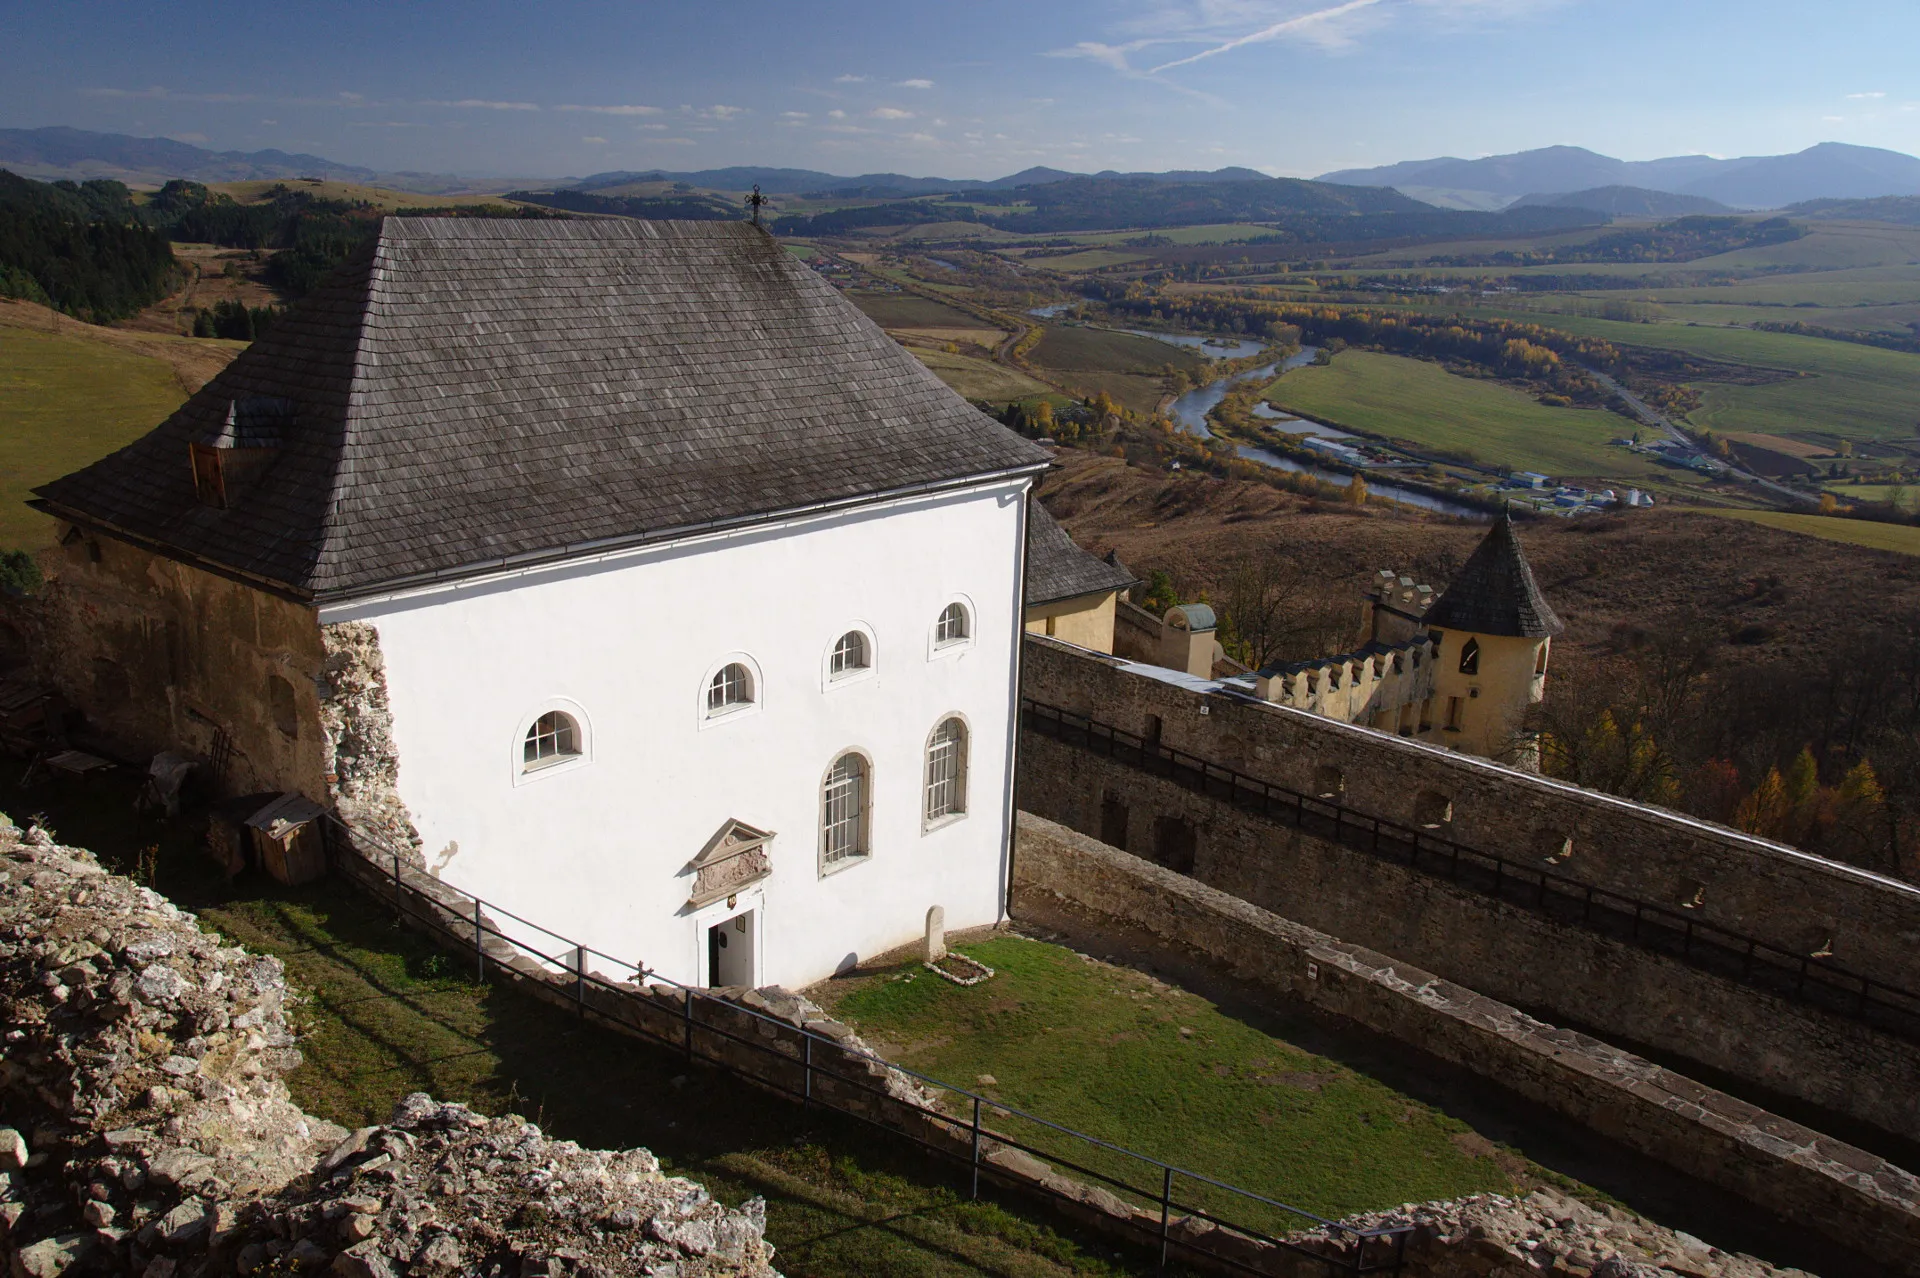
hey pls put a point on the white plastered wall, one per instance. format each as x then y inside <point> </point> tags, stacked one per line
<point>598,850</point>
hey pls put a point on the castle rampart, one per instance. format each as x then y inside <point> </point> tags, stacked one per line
<point>1523,957</point>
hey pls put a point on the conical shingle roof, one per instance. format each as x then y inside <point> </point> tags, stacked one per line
<point>475,392</point>
<point>1494,593</point>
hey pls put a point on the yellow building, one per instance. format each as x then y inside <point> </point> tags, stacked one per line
<point>1070,594</point>
<point>1493,634</point>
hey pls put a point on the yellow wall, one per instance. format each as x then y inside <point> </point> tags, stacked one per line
<point>1506,684</point>
<point>159,655</point>
<point>1086,620</point>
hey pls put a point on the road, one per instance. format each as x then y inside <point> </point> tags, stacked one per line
<point>1648,414</point>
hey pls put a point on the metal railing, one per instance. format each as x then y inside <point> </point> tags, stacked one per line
<point>1762,965</point>
<point>1171,1198</point>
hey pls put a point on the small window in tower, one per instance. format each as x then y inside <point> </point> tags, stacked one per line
<point>1470,658</point>
<point>553,738</point>
<point>1540,658</point>
<point>209,481</point>
<point>849,655</point>
<point>952,628</point>
<point>729,690</point>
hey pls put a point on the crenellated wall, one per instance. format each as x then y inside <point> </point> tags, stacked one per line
<point>1503,950</point>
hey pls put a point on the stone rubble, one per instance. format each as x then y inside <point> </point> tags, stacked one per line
<point>145,1127</point>
<point>1494,1236</point>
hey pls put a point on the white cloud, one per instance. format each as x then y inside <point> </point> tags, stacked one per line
<point>612,110</point>
<point>188,137</point>
<point>913,84</point>
<point>721,112</point>
<point>269,121</point>
<point>484,104</point>
<point>836,114</point>
<point>1862,97</point>
<point>924,139</point>
<point>656,128</point>
<point>794,115</point>
<point>595,141</point>
<point>1317,24</point>
<point>891,113</point>
<point>1833,119</point>
<point>849,79</point>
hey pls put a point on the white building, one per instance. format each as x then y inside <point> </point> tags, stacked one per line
<point>698,598</point>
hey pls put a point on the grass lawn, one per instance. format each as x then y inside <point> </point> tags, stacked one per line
<point>1422,403</point>
<point>1909,495</point>
<point>66,401</point>
<point>1901,538</point>
<point>1123,1057</point>
<point>388,1014</point>
<point>1855,391</point>
<point>979,378</point>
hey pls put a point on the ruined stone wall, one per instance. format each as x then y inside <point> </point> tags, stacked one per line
<point>356,723</point>
<point>1838,1191</point>
<point>1803,903</point>
<point>162,656</point>
<point>145,1127</point>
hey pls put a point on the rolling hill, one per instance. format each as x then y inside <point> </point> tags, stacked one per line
<point>78,154</point>
<point>1626,201</point>
<point>1830,170</point>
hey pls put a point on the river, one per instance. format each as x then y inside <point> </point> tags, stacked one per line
<point>1190,410</point>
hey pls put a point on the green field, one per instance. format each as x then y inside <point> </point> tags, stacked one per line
<point>64,402</point>
<point>1423,404</point>
<point>905,310</point>
<point>1091,260</point>
<point>1909,494</point>
<point>979,379</point>
<point>1100,350</point>
<point>1853,391</point>
<point>1900,538</point>
<point>1119,1056</point>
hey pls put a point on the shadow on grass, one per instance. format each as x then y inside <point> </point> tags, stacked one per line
<point>386,1013</point>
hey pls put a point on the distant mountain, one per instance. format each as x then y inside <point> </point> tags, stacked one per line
<point>887,185</point>
<point>1901,209</point>
<point>77,154</point>
<point>1627,201</point>
<point>1832,170</point>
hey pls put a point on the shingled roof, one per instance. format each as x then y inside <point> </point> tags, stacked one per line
<point>1494,593</point>
<point>471,392</point>
<point>1057,568</point>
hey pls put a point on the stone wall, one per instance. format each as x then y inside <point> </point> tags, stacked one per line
<point>1504,950</point>
<point>1838,1191</point>
<point>162,656</point>
<point>356,723</point>
<point>145,1127</point>
<point>1738,882</point>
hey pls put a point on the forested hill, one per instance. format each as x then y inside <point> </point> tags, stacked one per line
<point>80,248</point>
<point>1313,211</point>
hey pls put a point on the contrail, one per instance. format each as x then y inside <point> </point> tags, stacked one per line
<point>1269,33</point>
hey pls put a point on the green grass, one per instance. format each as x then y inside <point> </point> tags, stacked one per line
<point>978,378</point>
<point>1422,403</point>
<point>64,402</point>
<point>1091,260</point>
<point>1902,539</point>
<point>388,1014</point>
<point>1909,495</point>
<point>1852,391</point>
<point>1122,1057</point>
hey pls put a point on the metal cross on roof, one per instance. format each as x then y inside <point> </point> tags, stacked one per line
<point>755,201</point>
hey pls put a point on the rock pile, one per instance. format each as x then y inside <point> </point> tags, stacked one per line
<point>1492,1236</point>
<point>148,1129</point>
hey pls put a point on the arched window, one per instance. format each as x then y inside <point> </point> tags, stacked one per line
<point>843,812</point>
<point>1470,658</point>
<point>851,655</point>
<point>553,738</point>
<point>953,626</point>
<point>947,771</point>
<point>729,690</point>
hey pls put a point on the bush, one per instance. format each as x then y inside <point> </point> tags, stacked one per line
<point>19,573</point>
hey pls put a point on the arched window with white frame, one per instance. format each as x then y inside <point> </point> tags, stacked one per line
<point>946,780</point>
<point>954,626</point>
<point>730,689</point>
<point>554,738</point>
<point>845,801</point>
<point>851,655</point>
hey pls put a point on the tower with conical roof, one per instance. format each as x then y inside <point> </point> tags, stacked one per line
<point>1495,634</point>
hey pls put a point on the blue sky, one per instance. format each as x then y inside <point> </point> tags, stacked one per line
<point>542,89</point>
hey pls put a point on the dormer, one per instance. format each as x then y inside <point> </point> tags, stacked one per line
<point>235,454</point>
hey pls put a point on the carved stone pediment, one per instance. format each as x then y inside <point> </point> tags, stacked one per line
<point>734,858</point>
